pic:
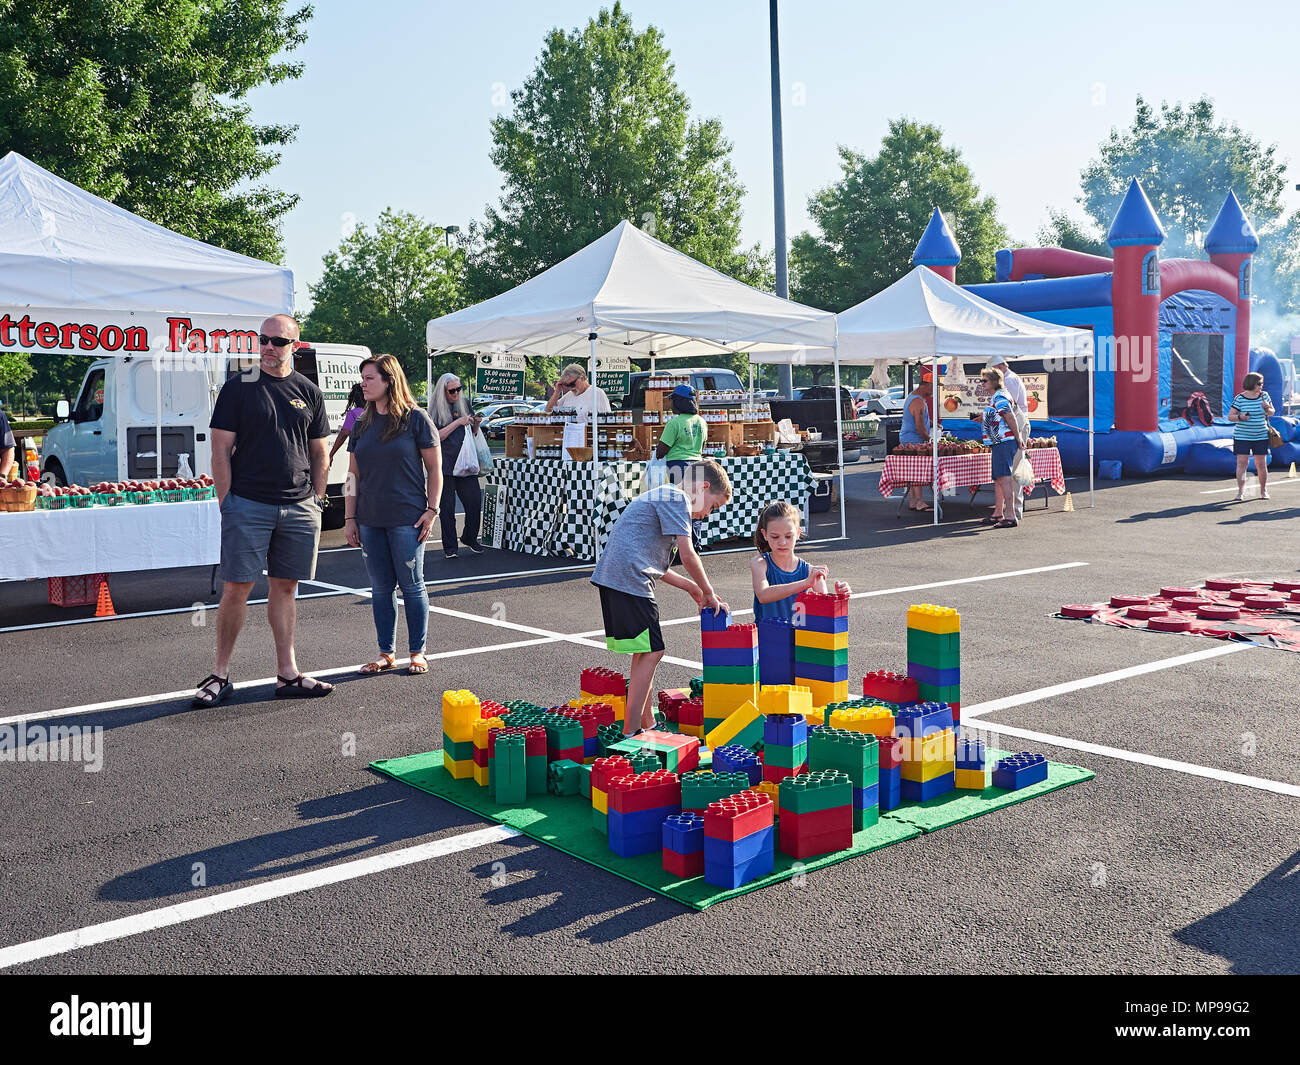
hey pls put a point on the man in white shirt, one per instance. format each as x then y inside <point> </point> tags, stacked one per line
<point>1016,390</point>
<point>574,392</point>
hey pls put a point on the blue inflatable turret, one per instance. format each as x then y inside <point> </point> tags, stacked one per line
<point>938,248</point>
<point>1135,222</point>
<point>1232,233</point>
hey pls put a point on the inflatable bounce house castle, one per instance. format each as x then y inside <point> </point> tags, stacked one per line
<point>1165,333</point>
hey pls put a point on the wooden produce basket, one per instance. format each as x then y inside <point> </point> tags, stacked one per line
<point>580,454</point>
<point>17,500</point>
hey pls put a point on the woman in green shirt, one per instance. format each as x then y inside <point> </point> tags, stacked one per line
<point>682,441</point>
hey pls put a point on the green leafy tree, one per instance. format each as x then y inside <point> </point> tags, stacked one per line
<point>1062,231</point>
<point>871,219</point>
<point>1187,161</point>
<point>142,104</point>
<point>14,370</point>
<point>600,133</point>
<point>381,286</point>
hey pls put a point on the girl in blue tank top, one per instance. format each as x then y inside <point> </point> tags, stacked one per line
<point>778,574</point>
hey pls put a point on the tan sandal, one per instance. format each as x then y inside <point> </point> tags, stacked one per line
<point>416,668</point>
<point>380,665</point>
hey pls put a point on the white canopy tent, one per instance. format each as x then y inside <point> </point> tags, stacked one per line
<point>629,294</point>
<point>66,253</point>
<point>924,316</point>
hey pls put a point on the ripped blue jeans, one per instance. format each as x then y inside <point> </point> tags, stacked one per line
<point>395,559</point>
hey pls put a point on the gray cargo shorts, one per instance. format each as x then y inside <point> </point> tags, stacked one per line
<point>282,539</point>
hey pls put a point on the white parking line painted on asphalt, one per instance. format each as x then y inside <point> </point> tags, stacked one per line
<point>969,713</point>
<point>1259,783</point>
<point>224,901</point>
<point>187,693</point>
<point>149,613</point>
<point>1273,482</point>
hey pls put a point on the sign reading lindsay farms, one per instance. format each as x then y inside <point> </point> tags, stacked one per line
<point>499,374</point>
<point>614,375</point>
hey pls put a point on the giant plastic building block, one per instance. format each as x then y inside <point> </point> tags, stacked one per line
<point>775,651</point>
<point>889,687</point>
<point>931,618</point>
<point>1019,771</point>
<point>460,709</point>
<point>816,815</point>
<point>701,788</point>
<point>739,839</point>
<point>744,726</point>
<point>682,836</point>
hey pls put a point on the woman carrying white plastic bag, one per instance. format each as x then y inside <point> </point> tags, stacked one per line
<point>457,427</point>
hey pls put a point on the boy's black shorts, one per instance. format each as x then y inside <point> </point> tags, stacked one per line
<point>631,622</point>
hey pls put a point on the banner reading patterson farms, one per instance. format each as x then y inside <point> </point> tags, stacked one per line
<point>96,333</point>
<point>499,374</point>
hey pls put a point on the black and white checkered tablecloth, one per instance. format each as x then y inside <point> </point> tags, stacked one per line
<point>549,502</point>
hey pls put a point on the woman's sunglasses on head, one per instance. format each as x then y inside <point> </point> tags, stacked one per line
<point>279,342</point>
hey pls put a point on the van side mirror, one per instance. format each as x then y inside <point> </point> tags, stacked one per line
<point>62,410</point>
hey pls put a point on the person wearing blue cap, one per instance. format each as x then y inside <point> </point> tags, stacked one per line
<point>682,441</point>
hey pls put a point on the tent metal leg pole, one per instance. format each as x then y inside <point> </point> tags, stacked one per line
<point>1092,497</point>
<point>595,453</point>
<point>428,382</point>
<point>934,438</point>
<point>157,411</point>
<point>839,430</point>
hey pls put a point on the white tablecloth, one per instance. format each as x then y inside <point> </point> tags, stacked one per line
<point>66,543</point>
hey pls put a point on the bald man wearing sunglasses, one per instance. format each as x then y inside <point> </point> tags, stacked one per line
<point>269,465</point>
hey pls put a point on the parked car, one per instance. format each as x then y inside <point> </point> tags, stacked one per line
<point>889,402</point>
<point>816,407</point>
<point>863,396</point>
<point>702,380</point>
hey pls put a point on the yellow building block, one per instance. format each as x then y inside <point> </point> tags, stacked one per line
<point>933,747</point>
<point>930,618</point>
<point>481,776</point>
<point>785,699</point>
<point>481,729</point>
<point>923,771</point>
<point>618,702</point>
<point>972,779</point>
<point>463,770</point>
<point>817,716</point>
<point>460,709</point>
<point>691,730</point>
<point>769,788</point>
<point>826,641</point>
<point>825,692</point>
<point>723,700</point>
<point>736,722</point>
<point>878,720</point>
<point>599,800</point>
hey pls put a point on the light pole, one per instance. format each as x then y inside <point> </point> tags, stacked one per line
<point>447,231</point>
<point>784,380</point>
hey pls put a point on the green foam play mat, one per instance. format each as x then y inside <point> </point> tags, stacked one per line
<point>565,823</point>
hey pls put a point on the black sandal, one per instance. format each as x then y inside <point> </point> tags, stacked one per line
<point>295,689</point>
<point>1005,524</point>
<point>224,689</point>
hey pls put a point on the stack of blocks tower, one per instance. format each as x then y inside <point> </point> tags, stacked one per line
<point>792,762</point>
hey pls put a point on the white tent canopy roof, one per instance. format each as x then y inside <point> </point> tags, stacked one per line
<point>61,246</point>
<point>640,297</point>
<point>923,316</point>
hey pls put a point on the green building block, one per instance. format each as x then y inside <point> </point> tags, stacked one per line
<point>786,757</point>
<point>812,792</point>
<point>868,818</point>
<point>644,761</point>
<point>600,821</point>
<point>941,650</point>
<point>535,774</point>
<point>697,687</point>
<point>854,753</point>
<point>460,752</point>
<point>731,674</point>
<point>507,779</point>
<point>820,656</point>
<point>607,736</point>
<point>939,693</point>
<point>562,733</point>
<point>700,789</point>
<point>584,781</point>
<point>562,777</point>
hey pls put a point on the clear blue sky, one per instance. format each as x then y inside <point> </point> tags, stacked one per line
<point>397,95</point>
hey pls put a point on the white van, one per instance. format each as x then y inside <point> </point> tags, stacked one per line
<point>111,432</point>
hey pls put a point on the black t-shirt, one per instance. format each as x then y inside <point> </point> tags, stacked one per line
<point>451,448</point>
<point>7,437</point>
<point>392,485</point>
<point>272,418</point>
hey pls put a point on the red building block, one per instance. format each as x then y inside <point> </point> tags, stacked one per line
<point>489,709</point>
<point>805,835</point>
<point>691,712</point>
<point>890,751</point>
<point>832,605</point>
<point>684,865</point>
<point>739,815</point>
<point>889,687</point>
<point>670,702</point>
<point>601,681</point>
<point>645,791</point>
<point>734,636</point>
<point>777,773</point>
<point>605,769</point>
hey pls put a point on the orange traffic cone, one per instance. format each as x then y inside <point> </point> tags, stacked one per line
<point>104,608</point>
<point>1069,504</point>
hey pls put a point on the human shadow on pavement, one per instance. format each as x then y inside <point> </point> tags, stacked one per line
<point>336,828</point>
<point>1255,933</point>
<point>579,892</point>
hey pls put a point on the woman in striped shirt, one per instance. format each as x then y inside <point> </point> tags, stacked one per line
<point>1251,408</point>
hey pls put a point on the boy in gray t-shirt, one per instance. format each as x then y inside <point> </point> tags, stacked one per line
<point>639,553</point>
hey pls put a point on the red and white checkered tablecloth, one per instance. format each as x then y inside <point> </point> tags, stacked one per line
<point>965,471</point>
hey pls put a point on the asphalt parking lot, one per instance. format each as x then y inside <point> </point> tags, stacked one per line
<point>252,837</point>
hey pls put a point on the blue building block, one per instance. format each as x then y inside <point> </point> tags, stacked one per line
<point>775,651</point>
<point>1019,771</point>
<point>863,798</point>
<point>785,730</point>
<point>711,622</point>
<point>920,719</point>
<point>591,747</point>
<point>729,656</point>
<point>815,623</point>
<point>812,671</point>
<point>920,791</point>
<point>738,759</point>
<point>683,833</point>
<point>971,753</point>
<point>729,852</point>
<point>930,675</point>
<point>890,785</point>
<point>734,876</point>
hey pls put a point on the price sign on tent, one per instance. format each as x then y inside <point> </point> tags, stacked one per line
<point>499,374</point>
<point>1035,394</point>
<point>614,375</point>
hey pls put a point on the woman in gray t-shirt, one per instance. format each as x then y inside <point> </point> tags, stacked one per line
<point>395,463</point>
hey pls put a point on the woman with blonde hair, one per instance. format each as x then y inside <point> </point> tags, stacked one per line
<point>395,482</point>
<point>453,418</point>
